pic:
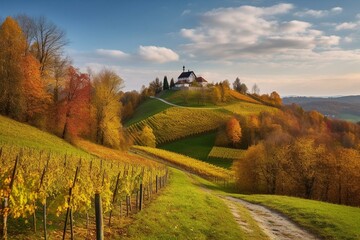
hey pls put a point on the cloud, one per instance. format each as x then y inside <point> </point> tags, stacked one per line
<point>346,26</point>
<point>157,54</point>
<point>247,32</point>
<point>318,13</point>
<point>186,12</point>
<point>112,53</point>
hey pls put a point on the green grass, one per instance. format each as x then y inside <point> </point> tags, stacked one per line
<point>195,146</point>
<point>198,147</point>
<point>330,221</point>
<point>148,108</point>
<point>188,98</point>
<point>349,117</point>
<point>184,211</point>
<point>22,135</point>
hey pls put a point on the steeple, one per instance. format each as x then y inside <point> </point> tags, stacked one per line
<point>183,68</point>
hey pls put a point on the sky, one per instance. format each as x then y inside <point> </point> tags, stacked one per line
<point>303,48</point>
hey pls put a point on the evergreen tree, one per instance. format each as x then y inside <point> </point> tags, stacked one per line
<point>172,83</point>
<point>165,83</point>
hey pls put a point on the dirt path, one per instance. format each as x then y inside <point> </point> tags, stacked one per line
<point>274,225</point>
<point>175,105</point>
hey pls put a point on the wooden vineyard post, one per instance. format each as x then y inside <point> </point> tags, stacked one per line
<point>5,203</point>
<point>44,218</point>
<point>141,197</point>
<point>114,196</point>
<point>157,183</point>
<point>68,212</point>
<point>99,217</point>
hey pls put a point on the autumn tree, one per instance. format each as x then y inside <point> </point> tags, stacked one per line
<point>165,83</point>
<point>276,99</point>
<point>107,108</point>
<point>155,86</point>
<point>36,98</point>
<point>12,50</point>
<point>224,90</point>
<point>147,137</point>
<point>215,95</point>
<point>233,131</point>
<point>73,110</point>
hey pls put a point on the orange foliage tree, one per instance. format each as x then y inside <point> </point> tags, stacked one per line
<point>12,49</point>
<point>233,130</point>
<point>36,98</point>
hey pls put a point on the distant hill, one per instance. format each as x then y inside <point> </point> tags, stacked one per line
<point>346,108</point>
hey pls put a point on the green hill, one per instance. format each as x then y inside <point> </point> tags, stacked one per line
<point>22,135</point>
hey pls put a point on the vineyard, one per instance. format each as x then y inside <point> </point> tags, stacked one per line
<point>64,189</point>
<point>243,97</point>
<point>203,169</point>
<point>176,123</point>
<point>228,153</point>
<point>245,108</point>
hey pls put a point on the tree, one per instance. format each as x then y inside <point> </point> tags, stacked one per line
<point>107,108</point>
<point>216,94</point>
<point>276,99</point>
<point>165,83</point>
<point>35,95</point>
<point>155,86</point>
<point>73,110</point>
<point>237,85</point>
<point>28,27</point>
<point>233,130</point>
<point>172,83</point>
<point>224,90</point>
<point>12,49</point>
<point>147,137</point>
<point>49,42</point>
<point>255,89</point>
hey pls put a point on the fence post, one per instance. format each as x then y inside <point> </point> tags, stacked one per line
<point>99,217</point>
<point>157,187</point>
<point>141,197</point>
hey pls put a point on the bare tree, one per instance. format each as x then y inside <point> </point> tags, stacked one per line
<point>28,27</point>
<point>48,44</point>
<point>255,89</point>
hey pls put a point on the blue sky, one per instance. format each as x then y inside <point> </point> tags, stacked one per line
<point>294,47</point>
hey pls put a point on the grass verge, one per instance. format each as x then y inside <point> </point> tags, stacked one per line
<point>184,211</point>
<point>330,221</point>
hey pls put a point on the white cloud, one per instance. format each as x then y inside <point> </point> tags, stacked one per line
<point>318,13</point>
<point>157,54</point>
<point>247,32</point>
<point>336,10</point>
<point>348,39</point>
<point>112,53</point>
<point>346,26</point>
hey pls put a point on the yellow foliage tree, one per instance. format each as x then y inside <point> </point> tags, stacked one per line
<point>106,107</point>
<point>147,137</point>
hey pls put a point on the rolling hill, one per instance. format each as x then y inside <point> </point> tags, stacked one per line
<point>345,108</point>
